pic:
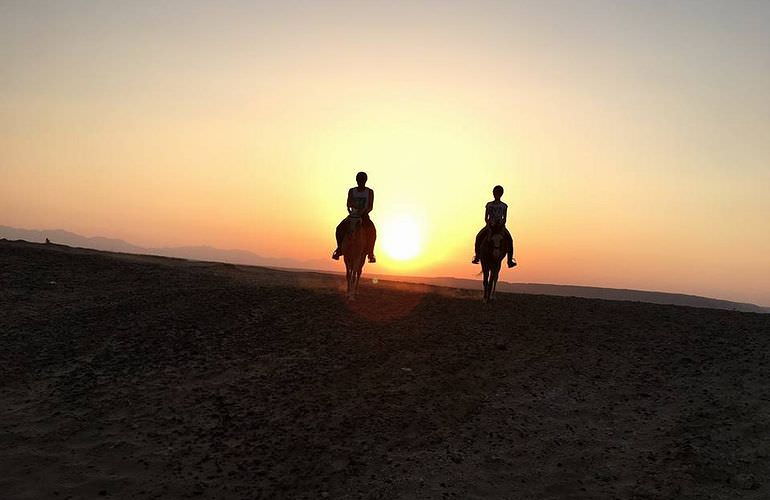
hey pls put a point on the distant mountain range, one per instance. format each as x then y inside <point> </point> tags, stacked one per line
<point>203,252</point>
<point>208,253</point>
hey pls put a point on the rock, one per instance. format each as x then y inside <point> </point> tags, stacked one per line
<point>745,481</point>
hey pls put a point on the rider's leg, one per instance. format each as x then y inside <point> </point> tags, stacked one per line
<point>477,244</point>
<point>371,238</point>
<point>339,234</point>
<point>509,246</point>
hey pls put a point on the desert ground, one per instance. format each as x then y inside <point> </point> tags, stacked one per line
<point>146,377</point>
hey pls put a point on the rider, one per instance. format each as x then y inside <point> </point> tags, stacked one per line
<point>495,216</point>
<point>360,203</point>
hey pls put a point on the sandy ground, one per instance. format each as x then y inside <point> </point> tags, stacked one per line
<point>143,377</point>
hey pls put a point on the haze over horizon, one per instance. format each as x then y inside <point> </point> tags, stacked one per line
<point>633,139</point>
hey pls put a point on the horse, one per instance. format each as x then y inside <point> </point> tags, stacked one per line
<point>492,253</point>
<point>354,252</point>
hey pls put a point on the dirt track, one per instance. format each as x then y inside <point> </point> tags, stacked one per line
<point>143,377</point>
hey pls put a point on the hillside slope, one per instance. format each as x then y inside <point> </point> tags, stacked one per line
<point>244,257</point>
<point>148,377</point>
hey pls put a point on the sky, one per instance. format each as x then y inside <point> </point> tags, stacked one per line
<point>632,138</point>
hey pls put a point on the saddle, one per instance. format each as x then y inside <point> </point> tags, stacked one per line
<point>492,230</point>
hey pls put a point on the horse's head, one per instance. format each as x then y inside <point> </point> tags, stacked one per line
<point>354,242</point>
<point>354,224</point>
<point>496,242</point>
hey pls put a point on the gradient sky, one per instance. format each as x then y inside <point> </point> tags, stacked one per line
<point>633,138</point>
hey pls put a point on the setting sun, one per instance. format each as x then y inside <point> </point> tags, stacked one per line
<point>401,237</point>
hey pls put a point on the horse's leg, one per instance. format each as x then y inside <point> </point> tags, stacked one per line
<point>485,270</point>
<point>363,240</point>
<point>349,278</point>
<point>360,268</point>
<point>489,284</point>
<point>360,271</point>
<point>492,275</point>
<point>356,278</point>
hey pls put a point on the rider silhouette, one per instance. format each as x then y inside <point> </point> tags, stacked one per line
<point>360,203</point>
<point>495,216</point>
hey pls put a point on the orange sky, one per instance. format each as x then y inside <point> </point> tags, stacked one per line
<point>633,140</point>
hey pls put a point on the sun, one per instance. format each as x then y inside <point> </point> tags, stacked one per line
<point>401,237</point>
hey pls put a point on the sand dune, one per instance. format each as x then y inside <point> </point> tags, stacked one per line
<point>130,376</point>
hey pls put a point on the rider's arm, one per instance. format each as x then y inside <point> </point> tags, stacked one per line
<point>486,213</point>
<point>371,202</point>
<point>350,201</point>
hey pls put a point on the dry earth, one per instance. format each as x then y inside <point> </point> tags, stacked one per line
<point>144,377</point>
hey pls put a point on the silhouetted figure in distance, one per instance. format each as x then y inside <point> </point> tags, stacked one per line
<point>360,203</point>
<point>495,217</point>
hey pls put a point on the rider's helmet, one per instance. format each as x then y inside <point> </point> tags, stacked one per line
<point>497,191</point>
<point>361,177</point>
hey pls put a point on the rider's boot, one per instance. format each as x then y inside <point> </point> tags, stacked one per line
<point>336,254</point>
<point>475,259</point>
<point>372,258</point>
<point>511,262</point>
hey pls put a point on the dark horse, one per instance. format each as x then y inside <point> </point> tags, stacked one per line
<point>493,249</point>
<point>354,252</point>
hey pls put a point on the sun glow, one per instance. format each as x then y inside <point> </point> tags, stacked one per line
<point>400,237</point>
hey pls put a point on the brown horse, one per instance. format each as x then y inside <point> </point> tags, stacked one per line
<point>493,250</point>
<point>354,251</point>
